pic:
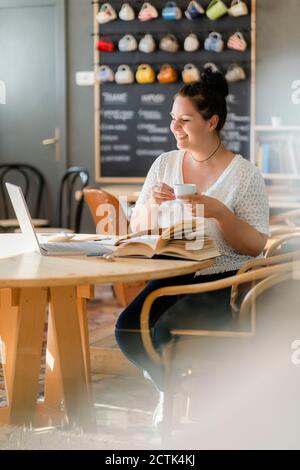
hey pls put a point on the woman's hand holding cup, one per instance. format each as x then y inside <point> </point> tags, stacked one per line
<point>162,192</point>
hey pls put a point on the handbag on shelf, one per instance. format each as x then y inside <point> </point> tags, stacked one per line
<point>191,43</point>
<point>167,74</point>
<point>126,13</point>
<point>235,73</point>
<point>106,14</point>
<point>147,44</point>
<point>190,74</point>
<point>127,43</point>
<point>171,12</point>
<point>216,9</point>
<point>214,42</point>
<point>105,74</point>
<point>237,42</point>
<point>212,66</point>
<point>169,43</point>
<point>145,74</point>
<point>238,8</point>
<point>124,75</point>
<point>105,45</point>
<point>147,12</point>
<point>194,10</point>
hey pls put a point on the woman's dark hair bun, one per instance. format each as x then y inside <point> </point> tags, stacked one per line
<point>214,81</point>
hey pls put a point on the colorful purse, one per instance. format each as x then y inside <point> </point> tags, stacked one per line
<point>191,43</point>
<point>238,8</point>
<point>214,42</point>
<point>147,12</point>
<point>124,75</point>
<point>194,10</point>
<point>105,45</point>
<point>145,74</point>
<point>127,43</point>
<point>216,9</point>
<point>126,13</point>
<point>105,74</point>
<point>167,74</point>
<point>106,14</point>
<point>190,74</point>
<point>212,66</point>
<point>169,43</point>
<point>235,73</point>
<point>147,44</point>
<point>171,12</point>
<point>237,42</point>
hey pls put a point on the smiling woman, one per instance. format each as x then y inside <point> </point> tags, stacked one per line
<point>232,193</point>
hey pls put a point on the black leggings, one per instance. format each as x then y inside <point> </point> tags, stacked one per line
<point>209,310</point>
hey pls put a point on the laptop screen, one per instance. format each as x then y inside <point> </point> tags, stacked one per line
<point>22,213</point>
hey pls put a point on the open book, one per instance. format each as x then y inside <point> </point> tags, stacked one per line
<point>185,240</point>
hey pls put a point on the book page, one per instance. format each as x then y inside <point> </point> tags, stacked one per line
<point>138,246</point>
<point>188,229</point>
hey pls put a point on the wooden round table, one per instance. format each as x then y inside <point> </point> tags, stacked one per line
<point>32,285</point>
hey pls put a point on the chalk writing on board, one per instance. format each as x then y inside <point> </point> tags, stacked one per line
<point>151,138</point>
<point>153,128</point>
<point>110,138</point>
<point>118,115</point>
<point>153,99</point>
<point>119,98</point>
<point>149,153</point>
<point>151,115</point>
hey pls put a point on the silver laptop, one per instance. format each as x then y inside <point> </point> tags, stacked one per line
<point>48,249</point>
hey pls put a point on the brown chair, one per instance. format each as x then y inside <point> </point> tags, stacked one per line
<point>195,347</point>
<point>110,219</point>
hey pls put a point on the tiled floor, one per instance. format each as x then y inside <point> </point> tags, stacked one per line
<point>123,404</point>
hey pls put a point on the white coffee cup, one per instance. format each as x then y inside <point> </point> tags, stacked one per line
<point>185,189</point>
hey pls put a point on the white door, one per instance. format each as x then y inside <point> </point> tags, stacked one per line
<point>33,77</point>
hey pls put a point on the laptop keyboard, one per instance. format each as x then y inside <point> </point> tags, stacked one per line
<point>75,248</point>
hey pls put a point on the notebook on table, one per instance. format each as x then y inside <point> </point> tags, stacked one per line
<point>48,249</point>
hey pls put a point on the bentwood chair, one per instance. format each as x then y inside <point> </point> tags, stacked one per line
<point>202,352</point>
<point>285,243</point>
<point>70,201</point>
<point>33,185</point>
<point>110,219</point>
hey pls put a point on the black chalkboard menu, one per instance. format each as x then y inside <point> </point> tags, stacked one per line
<point>132,120</point>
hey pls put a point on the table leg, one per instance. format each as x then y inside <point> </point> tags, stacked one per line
<point>53,386</point>
<point>8,331</point>
<point>21,330</point>
<point>69,356</point>
<point>84,293</point>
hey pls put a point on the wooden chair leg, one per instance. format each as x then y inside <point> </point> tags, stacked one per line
<point>169,390</point>
<point>126,292</point>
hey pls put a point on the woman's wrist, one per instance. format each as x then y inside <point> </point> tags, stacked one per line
<point>221,211</point>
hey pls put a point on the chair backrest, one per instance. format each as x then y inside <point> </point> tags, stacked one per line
<point>107,212</point>
<point>33,185</point>
<point>285,244</point>
<point>70,203</point>
<point>238,292</point>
